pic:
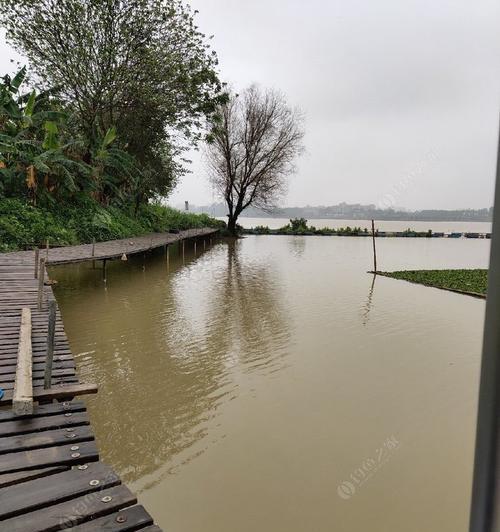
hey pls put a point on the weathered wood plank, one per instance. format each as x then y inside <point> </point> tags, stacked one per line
<point>11,479</point>
<point>59,487</point>
<point>127,520</point>
<point>49,422</point>
<point>50,409</point>
<point>8,385</point>
<point>47,438</point>
<point>62,455</point>
<point>22,399</point>
<point>56,392</point>
<point>71,512</point>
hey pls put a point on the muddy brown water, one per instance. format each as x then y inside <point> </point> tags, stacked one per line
<point>272,385</point>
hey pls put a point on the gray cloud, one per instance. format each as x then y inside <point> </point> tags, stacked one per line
<point>383,84</point>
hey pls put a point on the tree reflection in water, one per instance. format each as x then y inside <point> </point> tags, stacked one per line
<point>167,350</point>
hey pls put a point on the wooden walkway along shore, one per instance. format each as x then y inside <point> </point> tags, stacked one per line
<point>51,477</point>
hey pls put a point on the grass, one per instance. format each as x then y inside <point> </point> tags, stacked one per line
<point>473,282</point>
<point>24,226</point>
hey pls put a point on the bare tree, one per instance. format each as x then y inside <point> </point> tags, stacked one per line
<point>252,148</point>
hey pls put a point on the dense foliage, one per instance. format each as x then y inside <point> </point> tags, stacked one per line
<point>131,81</point>
<point>41,162</point>
<point>299,226</point>
<point>24,226</point>
<point>474,281</point>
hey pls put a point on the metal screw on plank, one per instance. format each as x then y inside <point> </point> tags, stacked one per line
<point>75,455</point>
<point>71,435</point>
<point>107,499</point>
<point>66,403</point>
<point>70,429</point>
<point>121,519</point>
<point>94,483</point>
<point>68,414</point>
<point>75,448</point>
<point>83,467</point>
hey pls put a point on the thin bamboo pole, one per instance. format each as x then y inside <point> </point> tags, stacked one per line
<point>374,248</point>
<point>51,330</point>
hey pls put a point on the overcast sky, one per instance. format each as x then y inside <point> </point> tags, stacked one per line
<point>401,97</point>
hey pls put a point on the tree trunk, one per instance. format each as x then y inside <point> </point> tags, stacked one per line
<point>231,224</point>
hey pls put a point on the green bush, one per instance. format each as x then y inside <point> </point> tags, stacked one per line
<point>262,230</point>
<point>23,226</point>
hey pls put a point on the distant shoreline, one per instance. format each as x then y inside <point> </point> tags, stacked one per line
<point>344,211</point>
<point>357,232</point>
<point>409,218</point>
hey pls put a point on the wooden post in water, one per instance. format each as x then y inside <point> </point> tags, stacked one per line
<point>167,253</point>
<point>37,258</point>
<point>41,275</point>
<point>183,250</point>
<point>195,246</point>
<point>204,243</point>
<point>51,332</point>
<point>104,270</point>
<point>47,249</point>
<point>374,248</point>
<point>93,253</point>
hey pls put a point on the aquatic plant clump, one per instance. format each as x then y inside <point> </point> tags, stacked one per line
<point>469,281</point>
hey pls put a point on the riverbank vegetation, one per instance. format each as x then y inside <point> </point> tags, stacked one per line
<point>93,136</point>
<point>299,226</point>
<point>24,226</point>
<point>474,282</point>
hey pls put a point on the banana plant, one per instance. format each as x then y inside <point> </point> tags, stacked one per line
<point>32,157</point>
<point>114,170</point>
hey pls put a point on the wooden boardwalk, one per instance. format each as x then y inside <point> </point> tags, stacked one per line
<point>50,474</point>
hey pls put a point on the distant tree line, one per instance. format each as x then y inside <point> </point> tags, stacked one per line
<point>357,212</point>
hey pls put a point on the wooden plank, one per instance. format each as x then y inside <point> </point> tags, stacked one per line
<point>59,487</point>
<point>25,426</point>
<point>62,455</point>
<point>8,385</point>
<point>39,367</point>
<point>11,479</point>
<point>72,512</point>
<point>47,438</point>
<point>127,520</point>
<point>38,374</point>
<point>51,409</point>
<point>22,399</point>
<point>56,392</point>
